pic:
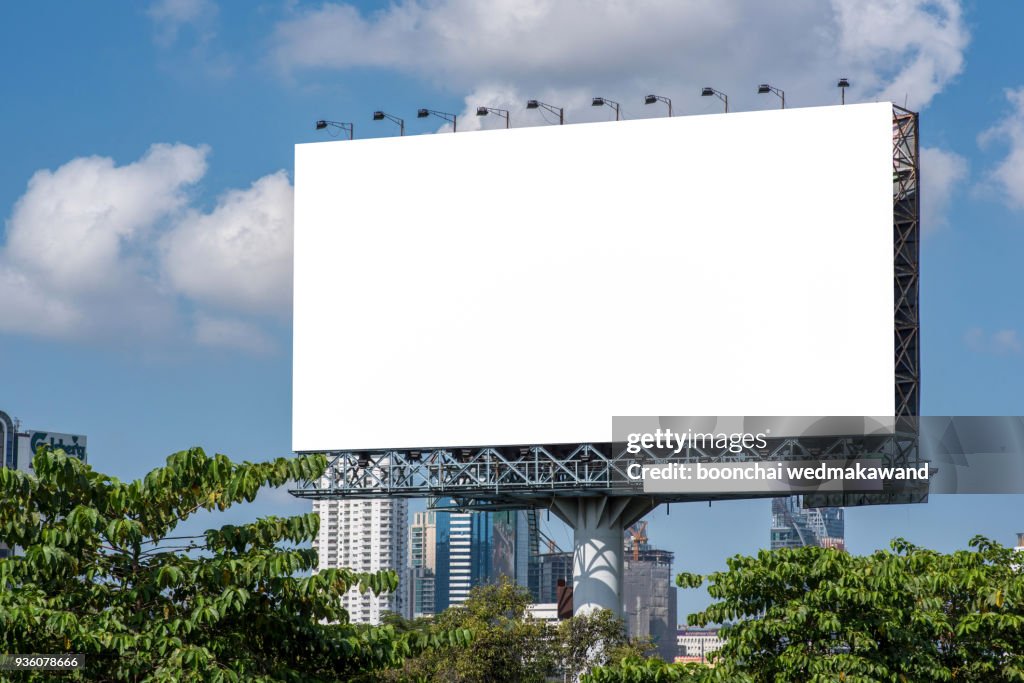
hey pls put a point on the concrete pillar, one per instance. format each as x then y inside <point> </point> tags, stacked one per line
<point>596,564</point>
<point>598,525</point>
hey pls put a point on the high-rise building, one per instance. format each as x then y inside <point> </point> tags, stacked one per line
<point>551,567</point>
<point>1020,542</point>
<point>365,536</point>
<point>422,598</point>
<point>422,565</point>
<point>454,533</point>
<point>794,526</point>
<point>649,593</point>
<point>474,548</point>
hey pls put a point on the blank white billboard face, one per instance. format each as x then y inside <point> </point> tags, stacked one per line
<point>522,286</point>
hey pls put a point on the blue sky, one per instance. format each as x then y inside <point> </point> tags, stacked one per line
<point>146,195</point>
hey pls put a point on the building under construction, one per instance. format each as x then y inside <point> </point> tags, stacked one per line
<point>649,592</point>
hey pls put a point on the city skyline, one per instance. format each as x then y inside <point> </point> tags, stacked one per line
<point>177,122</point>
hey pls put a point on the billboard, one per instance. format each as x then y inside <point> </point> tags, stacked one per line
<point>73,445</point>
<point>524,286</point>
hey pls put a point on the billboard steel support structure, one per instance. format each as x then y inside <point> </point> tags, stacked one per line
<point>586,485</point>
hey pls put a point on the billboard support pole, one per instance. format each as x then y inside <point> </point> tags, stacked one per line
<point>598,526</point>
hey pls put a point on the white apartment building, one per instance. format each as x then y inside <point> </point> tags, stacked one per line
<point>460,569</point>
<point>695,644</point>
<point>366,536</point>
<point>544,611</point>
<point>422,575</point>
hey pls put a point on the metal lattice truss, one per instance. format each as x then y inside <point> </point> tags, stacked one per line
<point>527,477</point>
<point>503,478</point>
<point>906,229</point>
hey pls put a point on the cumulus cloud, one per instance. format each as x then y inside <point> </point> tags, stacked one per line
<point>1008,175</point>
<point>941,175</point>
<point>566,51</point>
<point>238,256</point>
<point>73,227</point>
<point>77,258</point>
<point>229,333</point>
<point>26,307</point>
<point>1000,342</point>
<point>890,49</point>
<point>903,51</point>
<point>97,251</point>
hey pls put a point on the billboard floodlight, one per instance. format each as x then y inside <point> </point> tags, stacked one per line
<point>452,118</point>
<point>484,111</point>
<point>651,99</point>
<point>325,125</point>
<point>380,116</point>
<point>601,101</point>
<point>537,104</point>
<point>764,89</point>
<point>843,84</point>
<point>707,92</point>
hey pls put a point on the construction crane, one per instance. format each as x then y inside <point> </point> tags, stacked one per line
<point>638,534</point>
<point>550,542</point>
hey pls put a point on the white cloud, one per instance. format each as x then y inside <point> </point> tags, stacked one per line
<point>888,48</point>
<point>941,174</point>
<point>566,51</point>
<point>186,30</point>
<point>26,307</point>
<point>1001,342</point>
<point>903,51</point>
<point>76,262</point>
<point>97,251</point>
<point>170,16</point>
<point>1007,341</point>
<point>74,227</point>
<point>238,256</point>
<point>1009,174</point>
<point>231,334</point>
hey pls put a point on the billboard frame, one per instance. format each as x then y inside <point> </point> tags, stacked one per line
<point>533,476</point>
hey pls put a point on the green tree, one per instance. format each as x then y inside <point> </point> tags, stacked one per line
<point>634,669</point>
<point>103,574</point>
<point>903,615</point>
<point>507,645</point>
<point>596,639</point>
